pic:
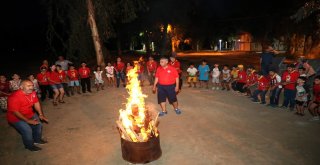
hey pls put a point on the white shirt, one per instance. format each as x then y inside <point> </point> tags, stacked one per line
<point>216,72</point>
<point>192,71</point>
<point>110,70</point>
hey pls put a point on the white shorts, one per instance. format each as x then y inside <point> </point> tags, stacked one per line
<point>215,80</point>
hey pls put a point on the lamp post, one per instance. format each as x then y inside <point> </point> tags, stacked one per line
<point>220,44</point>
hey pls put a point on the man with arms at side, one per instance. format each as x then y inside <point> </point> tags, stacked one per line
<point>22,117</point>
<point>167,85</point>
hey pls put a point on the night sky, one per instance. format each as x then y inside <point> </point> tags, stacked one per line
<point>24,25</point>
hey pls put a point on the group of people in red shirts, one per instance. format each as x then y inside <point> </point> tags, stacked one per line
<point>300,91</point>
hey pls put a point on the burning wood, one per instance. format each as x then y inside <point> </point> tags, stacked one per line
<point>135,122</point>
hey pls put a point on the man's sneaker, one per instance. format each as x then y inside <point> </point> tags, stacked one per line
<point>178,111</point>
<point>162,113</point>
<point>34,149</point>
<point>41,142</point>
<point>315,118</point>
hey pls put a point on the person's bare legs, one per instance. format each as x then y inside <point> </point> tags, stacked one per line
<point>175,105</point>
<point>55,96</point>
<point>163,106</point>
<point>61,94</point>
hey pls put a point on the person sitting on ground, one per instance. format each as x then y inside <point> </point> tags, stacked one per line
<point>302,72</point>
<point>15,82</point>
<point>275,88</point>
<point>56,85</point>
<point>35,85</point>
<point>204,74</point>
<point>84,73</point>
<point>252,81</point>
<point>74,80</point>
<point>242,79</point>
<point>23,118</point>
<point>226,78</point>
<point>216,77</point>
<point>64,80</point>
<point>110,75</point>
<point>234,77</point>
<point>314,105</point>
<point>263,86</point>
<point>301,95</point>
<point>43,80</point>
<point>192,75</point>
<point>289,79</point>
<point>4,92</point>
<point>98,79</point>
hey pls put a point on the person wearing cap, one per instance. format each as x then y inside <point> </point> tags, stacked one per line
<point>167,86</point>
<point>263,86</point>
<point>289,79</point>
<point>275,88</point>
<point>84,73</point>
<point>266,59</point>
<point>43,79</point>
<point>176,64</point>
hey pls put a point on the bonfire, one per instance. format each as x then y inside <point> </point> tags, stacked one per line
<point>136,123</point>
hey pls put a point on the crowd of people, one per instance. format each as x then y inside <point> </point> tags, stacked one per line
<point>299,83</point>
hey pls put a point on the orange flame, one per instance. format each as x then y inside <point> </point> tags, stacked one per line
<point>134,118</point>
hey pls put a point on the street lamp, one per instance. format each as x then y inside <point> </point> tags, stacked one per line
<point>220,44</point>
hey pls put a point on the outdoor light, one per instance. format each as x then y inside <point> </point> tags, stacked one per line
<point>220,44</point>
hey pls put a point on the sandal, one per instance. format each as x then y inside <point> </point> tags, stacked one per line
<point>178,111</point>
<point>162,113</point>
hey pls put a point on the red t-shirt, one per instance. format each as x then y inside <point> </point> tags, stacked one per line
<point>252,78</point>
<point>43,78</point>
<point>152,66</point>
<point>119,66</point>
<point>291,78</point>
<point>316,92</point>
<point>167,76</point>
<point>129,68</point>
<point>4,87</point>
<point>62,75</point>
<point>54,78</point>
<point>73,75</point>
<point>140,69</point>
<point>21,102</point>
<point>242,77</point>
<point>263,83</point>
<point>84,72</point>
<point>176,64</point>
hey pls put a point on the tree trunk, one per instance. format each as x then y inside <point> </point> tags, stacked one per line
<point>95,34</point>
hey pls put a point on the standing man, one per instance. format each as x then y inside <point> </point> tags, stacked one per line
<point>167,84</point>
<point>63,63</point>
<point>119,68</point>
<point>266,59</point>
<point>22,117</point>
<point>176,64</point>
<point>151,68</point>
